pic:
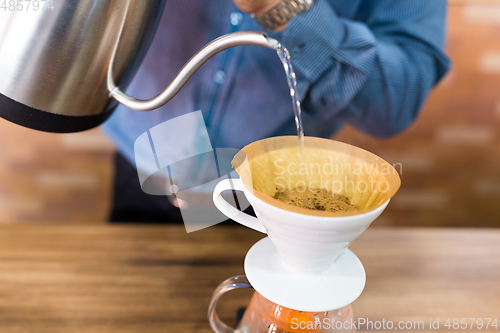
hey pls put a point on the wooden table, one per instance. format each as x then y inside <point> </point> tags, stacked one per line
<point>129,278</point>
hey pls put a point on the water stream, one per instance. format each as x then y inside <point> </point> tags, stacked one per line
<point>284,56</point>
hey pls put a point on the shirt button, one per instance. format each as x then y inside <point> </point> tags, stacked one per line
<point>296,51</point>
<point>220,77</point>
<point>236,18</point>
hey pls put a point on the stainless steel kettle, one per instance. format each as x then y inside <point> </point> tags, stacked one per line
<point>63,67</point>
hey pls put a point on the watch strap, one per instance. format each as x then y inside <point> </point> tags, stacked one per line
<point>282,13</point>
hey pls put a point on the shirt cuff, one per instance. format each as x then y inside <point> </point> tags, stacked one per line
<point>312,38</point>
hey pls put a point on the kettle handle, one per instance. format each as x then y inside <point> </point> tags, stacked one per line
<point>235,282</point>
<point>217,45</point>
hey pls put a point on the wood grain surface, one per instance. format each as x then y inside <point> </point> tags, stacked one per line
<point>100,278</point>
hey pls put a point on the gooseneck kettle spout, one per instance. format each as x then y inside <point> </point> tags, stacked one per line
<point>220,44</point>
<point>64,67</point>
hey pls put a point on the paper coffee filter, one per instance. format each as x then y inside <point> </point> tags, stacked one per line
<point>277,163</point>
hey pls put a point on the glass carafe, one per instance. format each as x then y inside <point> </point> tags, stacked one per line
<point>262,315</point>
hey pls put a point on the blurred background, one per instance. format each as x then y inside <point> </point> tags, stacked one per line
<point>450,156</point>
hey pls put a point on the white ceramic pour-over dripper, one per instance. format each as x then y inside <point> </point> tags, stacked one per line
<point>304,265</point>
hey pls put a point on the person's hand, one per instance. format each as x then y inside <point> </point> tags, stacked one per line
<point>256,7</point>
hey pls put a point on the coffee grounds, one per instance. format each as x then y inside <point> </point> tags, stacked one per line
<point>319,199</point>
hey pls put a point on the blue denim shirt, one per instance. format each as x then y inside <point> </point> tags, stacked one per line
<point>368,63</point>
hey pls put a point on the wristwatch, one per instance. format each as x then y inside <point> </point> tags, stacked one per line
<point>282,13</point>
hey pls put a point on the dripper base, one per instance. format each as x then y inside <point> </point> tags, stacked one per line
<point>339,285</point>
